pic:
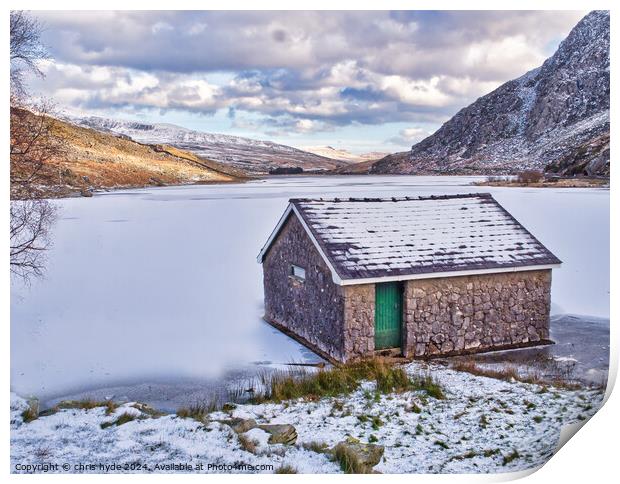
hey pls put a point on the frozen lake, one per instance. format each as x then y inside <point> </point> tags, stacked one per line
<point>157,292</point>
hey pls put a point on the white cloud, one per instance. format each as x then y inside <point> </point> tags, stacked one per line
<point>409,136</point>
<point>303,71</point>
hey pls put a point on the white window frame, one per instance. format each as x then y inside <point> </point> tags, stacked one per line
<point>298,272</point>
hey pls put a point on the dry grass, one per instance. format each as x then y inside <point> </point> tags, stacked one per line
<point>102,160</point>
<point>286,469</point>
<point>348,460</point>
<point>506,373</point>
<point>577,182</point>
<point>30,414</point>
<point>343,380</point>
<point>86,404</point>
<point>198,410</point>
<point>122,419</point>
<point>510,457</point>
<point>542,371</point>
<point>314,446</point>
<point>530,176</point>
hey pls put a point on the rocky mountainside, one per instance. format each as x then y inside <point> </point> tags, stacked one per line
<point>555,117</point>
<point>251,156</point>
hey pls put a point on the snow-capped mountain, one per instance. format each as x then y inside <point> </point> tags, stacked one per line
<point>555,117</point>
<point>250,155</point>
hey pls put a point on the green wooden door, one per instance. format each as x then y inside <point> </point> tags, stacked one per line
<point>388,314</point>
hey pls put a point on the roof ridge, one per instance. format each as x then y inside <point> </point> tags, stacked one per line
<point>393,199</point>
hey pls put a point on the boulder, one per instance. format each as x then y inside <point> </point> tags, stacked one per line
<point>280,433</point>
<point>241,425</point>
<point>363,456</point>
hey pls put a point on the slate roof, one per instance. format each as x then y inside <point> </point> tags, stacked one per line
<point>364,238</point>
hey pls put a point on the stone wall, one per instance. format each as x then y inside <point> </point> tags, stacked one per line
<point>359,320</point>
<point>476,313</point>
<point>441,315</point>
<point>311,310</point>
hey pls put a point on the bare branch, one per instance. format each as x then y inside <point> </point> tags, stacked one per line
<point>25,51</point>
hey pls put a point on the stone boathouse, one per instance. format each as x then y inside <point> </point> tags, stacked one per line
<point>423,276</point>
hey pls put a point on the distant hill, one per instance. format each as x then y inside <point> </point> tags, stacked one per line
<point>249,155</point>
<point>555,117</point>
<point>94,160</point>
<point>342,154</point>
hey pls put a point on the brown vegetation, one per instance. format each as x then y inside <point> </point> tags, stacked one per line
<point>543,182</point>
<point>542,371</point>
<point>529,176</point>
<point>94,160</point>
<point>343,380</point>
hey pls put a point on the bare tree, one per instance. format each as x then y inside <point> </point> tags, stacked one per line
<point>33,145</point>
<point>31,222</point>
<point>26,50</point>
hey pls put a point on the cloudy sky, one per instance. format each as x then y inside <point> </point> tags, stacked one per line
<point>363,81</point>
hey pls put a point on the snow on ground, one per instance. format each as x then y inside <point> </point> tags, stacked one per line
<point>484,425</point>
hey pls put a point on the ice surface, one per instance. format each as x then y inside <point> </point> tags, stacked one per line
<point>162,285</point>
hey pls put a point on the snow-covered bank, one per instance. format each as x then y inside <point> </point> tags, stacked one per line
<point>483,425</point>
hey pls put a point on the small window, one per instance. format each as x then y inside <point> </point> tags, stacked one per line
<point>298,272</point>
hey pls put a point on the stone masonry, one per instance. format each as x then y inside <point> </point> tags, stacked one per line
<point>441,316</point>
<point>476,313</point>
<point>312,310</point>
<point>359,320</point>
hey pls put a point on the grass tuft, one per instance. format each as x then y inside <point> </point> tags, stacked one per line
<point>122,419</point>
<point>428,384</point>
<point>510,457</point>
<point>198,411</point>
<point>441,444</point>
<point>30,414</point>
<point>314,446</point>
<point>343,380</point>
<point>87,404</point>
<point>349,461</point>
<point>286,469</point>
<point>542,371</point>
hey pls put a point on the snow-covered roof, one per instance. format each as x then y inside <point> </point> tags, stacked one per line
<point>369,239</point>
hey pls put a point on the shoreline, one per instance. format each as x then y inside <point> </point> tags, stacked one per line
<point>561,183</point>
<point>57,193</point>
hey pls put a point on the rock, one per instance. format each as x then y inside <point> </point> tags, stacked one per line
<point>280,433</point>
<point>554,117</point>
<point>148,410</point>
<point>366,455</point>
<point>85,192</point>
<point>241,425</point>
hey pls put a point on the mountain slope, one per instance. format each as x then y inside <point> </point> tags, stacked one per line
<point>251,156</point>
<point>543,119</point>
<point>90,159</point>
<point>342,154</point>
